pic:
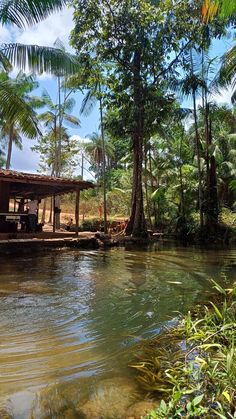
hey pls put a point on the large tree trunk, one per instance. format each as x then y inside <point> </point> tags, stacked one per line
<point>212,195</point>
<point>136,225</point>
<point>146,185</point>
<point>198,146</point>
<point>9,149</point>
<point>154,207</point>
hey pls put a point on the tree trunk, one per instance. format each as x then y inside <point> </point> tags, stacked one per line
<point>146,185</point>
<point>9,149</point>
<point>51,208</point>
<point>197,137</point>
<point>136,225</point>
<point>44,211</point>
<point>154,207</point>
<point>212,195</point>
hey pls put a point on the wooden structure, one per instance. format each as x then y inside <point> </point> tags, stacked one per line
<point>18,185</point>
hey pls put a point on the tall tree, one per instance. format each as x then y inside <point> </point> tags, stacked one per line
<point>53,118</point>
<point>29,57</point>
<point>134,40</point>
<point>12,129</point>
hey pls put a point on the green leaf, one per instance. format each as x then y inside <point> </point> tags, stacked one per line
<point>217,311</point>
<point>227,396</point>
<point>197,400</point>
<point>218,287</point>
<point>28,12</point>
<point>14,108</point>
<point>40,59</point>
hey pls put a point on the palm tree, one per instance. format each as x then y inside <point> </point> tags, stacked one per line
<point>28,12</point>
<point>224,8</point>
<point>95,149</point>
<point>191,85</point>
<point>36,58</point>
<point>53,119</point>
<point>11,129</point>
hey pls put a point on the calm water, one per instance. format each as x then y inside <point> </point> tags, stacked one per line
<point>72,318</point>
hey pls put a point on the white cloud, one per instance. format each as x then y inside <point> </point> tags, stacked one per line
<point>224,97</point>
<point>221,98</point>
<point>79,139</point>
<point>58,25</point>
<point>5,34</point>
<point>26,160</point>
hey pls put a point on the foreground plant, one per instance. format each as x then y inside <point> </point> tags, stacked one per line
<point>194,365</point>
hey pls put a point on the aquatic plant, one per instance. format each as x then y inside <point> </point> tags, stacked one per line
<point>193,367</point>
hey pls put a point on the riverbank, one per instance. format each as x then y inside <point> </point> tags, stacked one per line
<point>191,369</point>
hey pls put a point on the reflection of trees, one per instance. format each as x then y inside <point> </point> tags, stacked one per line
<point>91,305</point>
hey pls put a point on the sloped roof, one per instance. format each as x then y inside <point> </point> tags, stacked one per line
<point>27,185</point>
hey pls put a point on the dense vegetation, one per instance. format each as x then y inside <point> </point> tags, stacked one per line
<point>193,366</point>
<point>166,154</point>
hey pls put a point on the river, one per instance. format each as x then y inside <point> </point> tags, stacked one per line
<point>70,319</point>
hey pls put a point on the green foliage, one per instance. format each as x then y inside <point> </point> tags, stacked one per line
<point>27,12</point>
<point>198,381</point>
<point>16,107</point>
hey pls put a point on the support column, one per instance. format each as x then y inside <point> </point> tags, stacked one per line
<point>4,196</point>
<point>4,204</point>
<point>77,212</point>
<point>54,218</point>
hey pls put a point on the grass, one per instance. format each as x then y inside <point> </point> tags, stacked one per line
<point>192,369</point>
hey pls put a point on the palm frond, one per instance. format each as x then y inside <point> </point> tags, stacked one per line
<point>71,120</point>
<point>40,59</point>
<point>228,70</point>
<point>5,63</point>
<point>15,109</point>
<point>69,105</point>
<point>89,102</point>
<point>28,12</point>
<point>59,44</point>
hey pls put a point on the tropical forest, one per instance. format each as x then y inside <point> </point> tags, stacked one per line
<point>117,209</point>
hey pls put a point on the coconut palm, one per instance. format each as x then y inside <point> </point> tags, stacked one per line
<point>53,119</point>
<point>225,9</point>
<point>95,148</point>
<point>12,129</point>
<point>28,12</point>
<point>37,59</point>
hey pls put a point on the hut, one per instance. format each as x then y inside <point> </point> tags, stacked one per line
<point>26,186</point>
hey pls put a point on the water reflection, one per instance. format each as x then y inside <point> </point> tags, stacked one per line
<point>73,317</point>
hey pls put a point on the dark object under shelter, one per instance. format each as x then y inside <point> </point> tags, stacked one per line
<point>17,186</point>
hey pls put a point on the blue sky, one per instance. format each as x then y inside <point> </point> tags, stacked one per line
<point>45,33</point>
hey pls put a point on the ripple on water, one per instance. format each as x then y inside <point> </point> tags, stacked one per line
<point>73,316</point>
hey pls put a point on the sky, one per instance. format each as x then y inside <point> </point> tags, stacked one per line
<point>59,25</point>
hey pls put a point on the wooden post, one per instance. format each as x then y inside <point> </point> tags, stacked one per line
<point>54,218</point>
<point>77,212</point>
<point>4,196</point>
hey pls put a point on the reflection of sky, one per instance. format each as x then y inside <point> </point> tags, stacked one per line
<point>66,315</point>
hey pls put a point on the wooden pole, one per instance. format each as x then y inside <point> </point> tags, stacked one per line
<point>77,212</point>
<point>54,218</point>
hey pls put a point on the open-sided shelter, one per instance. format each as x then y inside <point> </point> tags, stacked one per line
<point>17,185</point>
